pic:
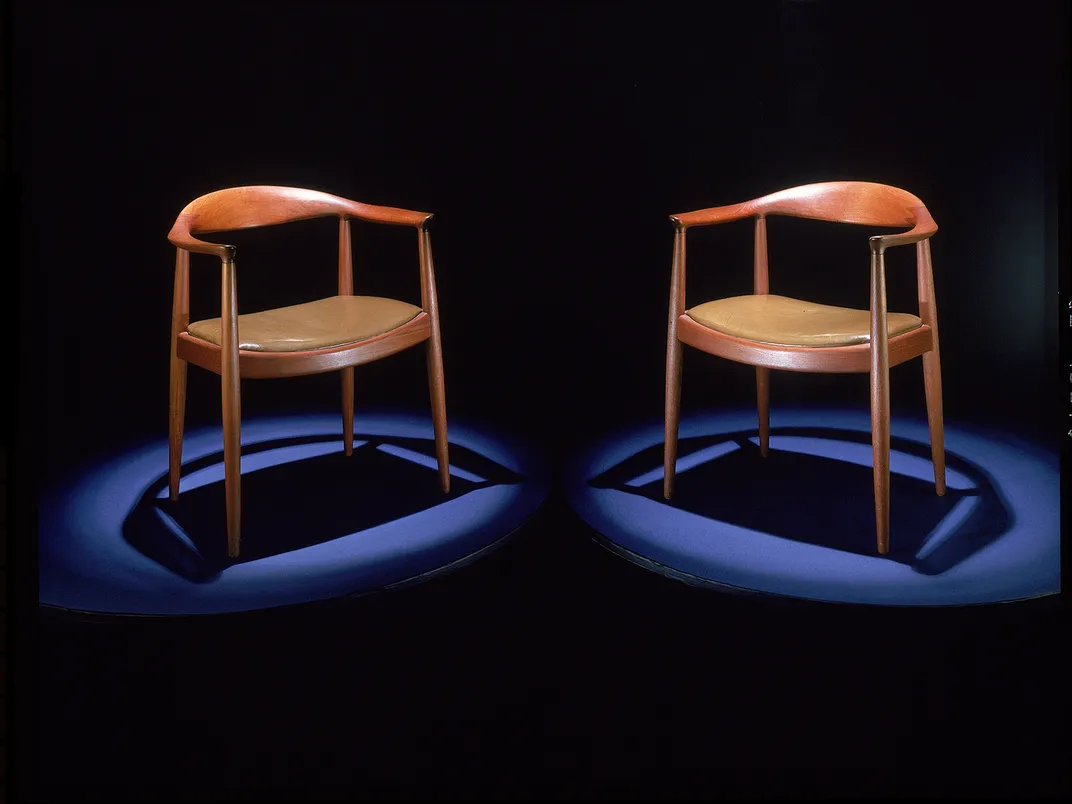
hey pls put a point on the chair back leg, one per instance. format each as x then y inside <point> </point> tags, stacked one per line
<point>176,421</point>
<point>763,400</point>
<point>438,394</point>
<point>673,412</point>
<point>932,366</point>
<point>348,409</point>
<point>932,383</point>
<point>180,318</point>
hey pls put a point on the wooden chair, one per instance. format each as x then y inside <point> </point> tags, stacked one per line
<point>774,332</point>
<point>332,334</point>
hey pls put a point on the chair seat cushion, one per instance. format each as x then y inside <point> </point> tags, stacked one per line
<point>320,324</point>
<point>783,321</point>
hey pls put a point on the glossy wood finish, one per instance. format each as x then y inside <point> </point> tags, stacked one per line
<point>347,381</point>
<point>346,259</point>
<point>836,201</point>
<point>844,202</point>
<point>673,363</point>
<point>247,207</point>
<point>760,269</point>
<point>265,205</point>
<point>763,407</point>
<point>230,382</point>
<point>436,381</point>
<point>880,401</point>
<point>346,288</point>
<point>180,319</point>
<point>932,367</point>
<point>761,287</point>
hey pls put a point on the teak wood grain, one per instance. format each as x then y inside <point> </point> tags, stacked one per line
<point>346,288</point>
<point>248,207</point>
<point>761,287</point>
<point>842,202</point>
<point>180,319</point>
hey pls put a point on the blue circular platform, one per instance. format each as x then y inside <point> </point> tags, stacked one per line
<point>317,524</point>
<point>800,522</point>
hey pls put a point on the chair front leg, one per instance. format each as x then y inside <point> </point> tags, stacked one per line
<point>880,401</point>
<point>346,288</point>
<point>434,352</point>
<point>232,414</point>
<point>672,415</point>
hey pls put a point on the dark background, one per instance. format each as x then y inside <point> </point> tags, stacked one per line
<point>551,141</point>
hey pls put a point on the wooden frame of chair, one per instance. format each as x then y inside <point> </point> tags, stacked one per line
<point>248,207</point>
<point>843,202</point>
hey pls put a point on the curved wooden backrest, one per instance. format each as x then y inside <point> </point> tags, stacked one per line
<point>844,202</point>
<point>249,207</point>
<point>264,205</point>
<point>861,202</point>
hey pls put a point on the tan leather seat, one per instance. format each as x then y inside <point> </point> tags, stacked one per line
<point>789,322</point>
<point>334,321</point>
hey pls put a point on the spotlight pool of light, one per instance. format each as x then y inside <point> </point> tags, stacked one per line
<point>316,524</point>
<point>800,522</point>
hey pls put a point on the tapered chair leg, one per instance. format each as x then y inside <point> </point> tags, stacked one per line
<point>434,352</point>
<point>880,447</point>
<point>348,409</point>
<point>932,364</point>
<point>672,414</point>
<point>232,465</point>
<point>880,402</point>
<point>763,400</point>
<point>180,317</point>
<point>177,418</point>
<point>232,411</point>
<point>932,382</point>
<point>437,392</point>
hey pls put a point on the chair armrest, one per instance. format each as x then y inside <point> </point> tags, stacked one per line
<point>187,241</point>
<point>392,215</point>
<point>705,217</point>
<point>925,227</point>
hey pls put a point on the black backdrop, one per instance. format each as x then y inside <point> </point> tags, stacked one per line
<point>551,141</point>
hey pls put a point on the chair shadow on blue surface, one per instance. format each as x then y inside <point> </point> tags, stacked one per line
<point>823,500</point>
<point>300,502</point>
